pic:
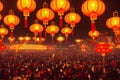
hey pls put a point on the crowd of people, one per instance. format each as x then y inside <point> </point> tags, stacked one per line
<point>68,64</point>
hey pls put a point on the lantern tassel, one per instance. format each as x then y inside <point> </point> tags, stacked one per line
<point>116,40</point>
<point>40,35</point>
<point>25,22</point>
<point>61,22</point>
<point>93,28</point>
<point>66,40</point>
<point>11,33</point>
<point>72,31</point>
<point>52,39</point>
<point>93,43</point>
<point>45,34</point>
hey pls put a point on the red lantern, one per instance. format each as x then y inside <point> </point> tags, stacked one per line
<point>66,31</point>
<point>45,14</point>
<point>78,40</point>
<point>93,9</point>
<point>93,34</point>
<point>26,6</point>
<point>60,6</point>
<point>60,39</point>
<point>114,23</point>
<point>11,20</point>
<point>1,8</point>
<point>103,48</point>
<point>36,28</point>
<point>52,29</point>
<point>72,18</point>
<point>11,39</point>
<point>3,32</point>
<point>27,38</point>
<point>38,39</point>
<point>21,39</point>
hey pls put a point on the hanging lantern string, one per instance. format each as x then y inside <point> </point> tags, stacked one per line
<point>11,34</point>
<point>40,36</point>
<point>11,28</point>
<point>66,38</point>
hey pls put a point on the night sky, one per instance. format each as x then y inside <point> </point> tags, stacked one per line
<point>81,29</point>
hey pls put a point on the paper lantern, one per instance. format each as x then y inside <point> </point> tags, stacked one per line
<point>60,6</point>
<point>26,6</point>
<point>45,14</point>
<point>11,20</point>
<point>3,31</point>
<point>36,28</point>
<point>1,8</point>
<point>93,34</point>
<point>114,23</point>
<point>93,9</point>
<point>72,18</point>
<point>60,39</point>
<point>11,39</point>
<point>66,31</point>
<point>52,29</point>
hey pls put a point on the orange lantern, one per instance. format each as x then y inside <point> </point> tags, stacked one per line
<point>3,31</point>
<point>93,9</point>
<point>11,20</point>
<point>83,47</point>
<point>11,39</point>
<point>72,18</point>
<point>26,6</point>
<point>114,23</point>
<point>21,38</point>
<point>66,31</point>
<point>78,40</point>
<point>60,39</point>
<point>27,38</point>
<point>36,28</point>
<point>45,14</point>
<point>60,6</point>
<point>39,40</point>
<point>52,29</point>
<point>93,34</point>
<point>1,8</point>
